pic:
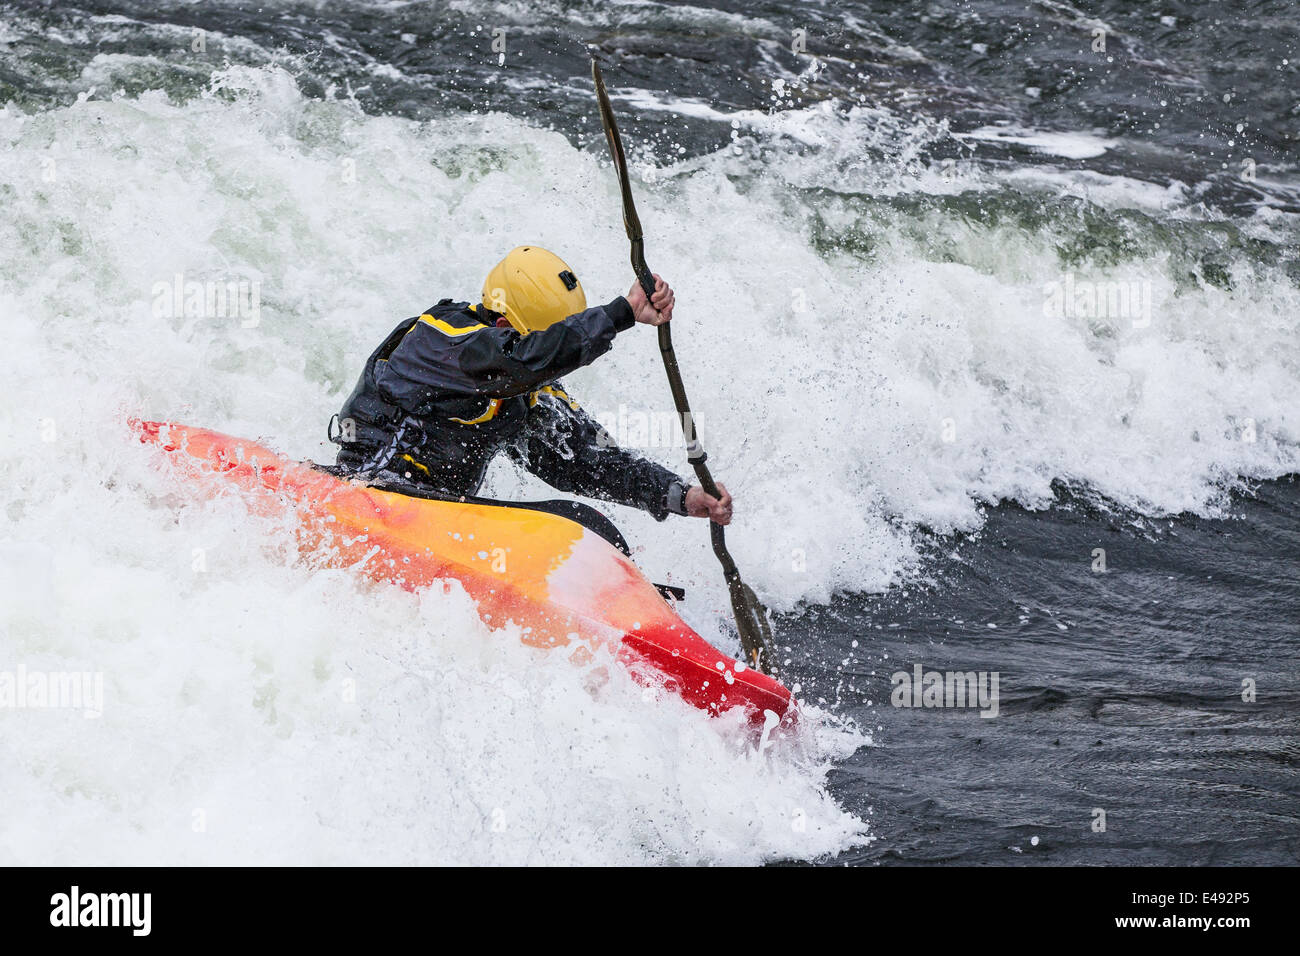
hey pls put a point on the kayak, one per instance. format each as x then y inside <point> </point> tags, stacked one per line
<point>560,583</point>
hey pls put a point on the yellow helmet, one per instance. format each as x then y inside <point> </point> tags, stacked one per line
<point>533,289</point>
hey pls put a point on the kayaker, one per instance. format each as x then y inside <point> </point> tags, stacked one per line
<point>450,388</point>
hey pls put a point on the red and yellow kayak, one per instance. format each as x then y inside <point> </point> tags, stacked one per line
<point>559,582</point>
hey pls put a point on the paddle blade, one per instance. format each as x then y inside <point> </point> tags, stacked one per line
<point>631,222</point>
<point>754,628</point>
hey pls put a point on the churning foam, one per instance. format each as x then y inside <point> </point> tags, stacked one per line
<point>858,371</point>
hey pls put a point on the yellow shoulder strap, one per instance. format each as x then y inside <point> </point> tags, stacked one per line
<point>446,328</point>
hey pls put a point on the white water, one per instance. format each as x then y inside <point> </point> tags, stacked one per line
<point>225,689</point>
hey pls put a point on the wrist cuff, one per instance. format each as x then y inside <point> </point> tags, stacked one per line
<point>677,497</point>
<point>620,313</point>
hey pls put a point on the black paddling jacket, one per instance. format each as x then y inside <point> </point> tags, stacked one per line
<point>449,389</point>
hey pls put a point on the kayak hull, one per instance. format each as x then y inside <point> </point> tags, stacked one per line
<point>559,582</point>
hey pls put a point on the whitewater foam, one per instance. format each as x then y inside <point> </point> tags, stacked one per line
<point>866,368</point>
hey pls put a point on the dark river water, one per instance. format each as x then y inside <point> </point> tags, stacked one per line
<point>1120,691</point>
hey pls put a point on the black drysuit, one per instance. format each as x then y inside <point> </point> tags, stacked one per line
<point>449,389</point>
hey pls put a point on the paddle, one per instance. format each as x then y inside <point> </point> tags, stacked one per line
<point>751,617</point>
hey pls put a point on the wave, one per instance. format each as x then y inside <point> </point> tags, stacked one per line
<point>876,347</point>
